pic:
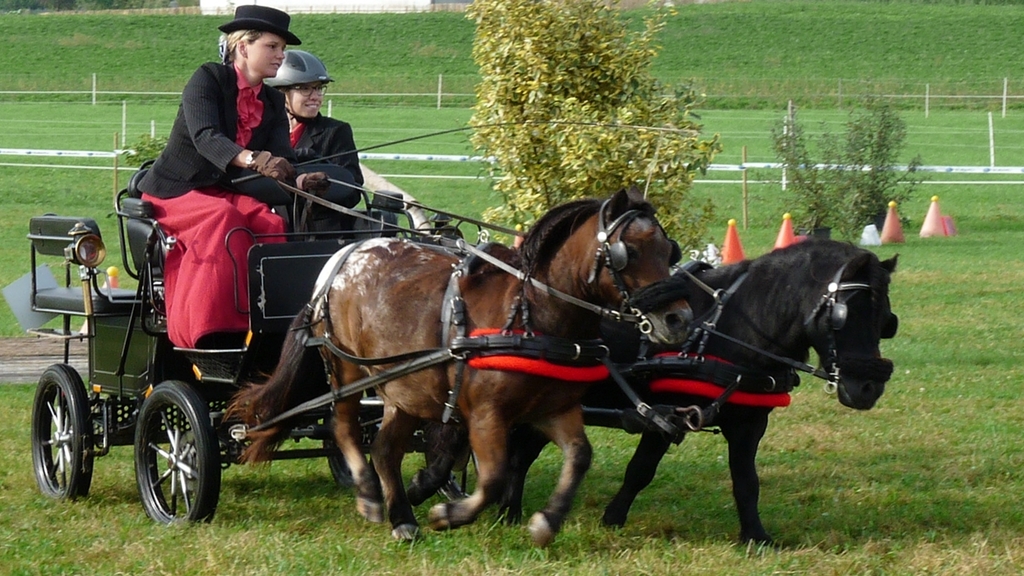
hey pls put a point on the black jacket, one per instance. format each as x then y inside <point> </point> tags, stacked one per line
<point>202,145</point>
<point>323,136</point>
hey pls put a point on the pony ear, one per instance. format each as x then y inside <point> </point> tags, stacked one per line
<point>854,267</point>
<point>618,204</point>
<point>890,264</point>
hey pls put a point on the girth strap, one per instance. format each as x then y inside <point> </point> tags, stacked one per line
<point>552,349</point>
<point>715,371</point>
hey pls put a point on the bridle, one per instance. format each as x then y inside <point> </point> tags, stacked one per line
<point>833,306</point>
<point>831,303</point>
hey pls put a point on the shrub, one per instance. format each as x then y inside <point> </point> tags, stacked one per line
<point>857,174</point>
<point>567,107</point>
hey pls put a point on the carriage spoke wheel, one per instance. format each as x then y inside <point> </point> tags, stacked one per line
<point>61,437</point>
<point>177,457</point>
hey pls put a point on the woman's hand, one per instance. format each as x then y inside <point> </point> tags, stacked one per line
<point>273,166</point>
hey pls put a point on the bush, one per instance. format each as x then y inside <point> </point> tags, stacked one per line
<point>144,149</point>
<point>568,108</point>
<point>857,175</point>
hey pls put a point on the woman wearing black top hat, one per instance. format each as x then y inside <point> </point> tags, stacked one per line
<point>227,126</point>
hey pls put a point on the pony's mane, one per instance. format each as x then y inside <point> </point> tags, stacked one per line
<point>547,235</point>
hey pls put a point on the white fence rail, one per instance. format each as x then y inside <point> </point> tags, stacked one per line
<point>984,170</point>
<point>925,96</point>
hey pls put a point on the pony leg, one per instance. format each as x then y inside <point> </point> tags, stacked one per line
<point>387,452</point>
<point>445,443</point>
<point>743,438</point>
<point>348,437</point>
<point>639,474</point>
<point>568,433</point>
<point>524,447</point>
<point>488,437</point>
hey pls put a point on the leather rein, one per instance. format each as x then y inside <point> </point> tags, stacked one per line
<point>453,315</point>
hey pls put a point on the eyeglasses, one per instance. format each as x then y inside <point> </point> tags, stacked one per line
<point>309,89</point>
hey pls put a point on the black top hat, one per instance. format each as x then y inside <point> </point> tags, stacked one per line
<point>263,18</point>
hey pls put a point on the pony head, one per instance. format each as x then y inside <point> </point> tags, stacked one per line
<point>847,325</point>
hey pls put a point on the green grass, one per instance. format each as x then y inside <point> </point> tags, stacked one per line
<point>928,482</point>
<point>743,54</point>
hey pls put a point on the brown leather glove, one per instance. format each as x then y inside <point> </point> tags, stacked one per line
<point>272,166</point>
<point>313,182</point>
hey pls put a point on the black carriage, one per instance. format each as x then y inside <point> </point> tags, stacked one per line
<point>141,390</point>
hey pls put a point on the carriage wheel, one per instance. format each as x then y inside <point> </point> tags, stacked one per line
<point>177,456</point>
<point>61,437</point>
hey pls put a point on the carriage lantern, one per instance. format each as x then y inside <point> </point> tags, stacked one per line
<point>86,249</point>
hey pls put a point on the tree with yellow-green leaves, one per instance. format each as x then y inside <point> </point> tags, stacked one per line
<point>567,108</point>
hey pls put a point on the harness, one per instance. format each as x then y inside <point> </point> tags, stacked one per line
<point>694,372</point>
<point>506,348</point>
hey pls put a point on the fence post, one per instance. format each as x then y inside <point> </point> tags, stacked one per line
<point>927,94</point>
<point>991,143</point>
<point>745,196</point>
<point>1005,89</point>
<point>152,128</point>
<point>439,83</point>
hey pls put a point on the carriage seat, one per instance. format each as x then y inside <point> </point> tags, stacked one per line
<point>50,236</point>
<point>383,208</point>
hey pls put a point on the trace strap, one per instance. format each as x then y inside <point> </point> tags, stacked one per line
<point>616,315</point>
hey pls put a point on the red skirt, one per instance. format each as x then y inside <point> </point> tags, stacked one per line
<point>206,274</point>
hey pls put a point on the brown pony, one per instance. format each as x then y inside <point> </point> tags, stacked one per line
<point>397,298</point>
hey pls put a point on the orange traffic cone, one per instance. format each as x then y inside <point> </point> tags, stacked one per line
<point>732,250</point>
<point>933,221</point>
<point>892,230</point>
<point>786,236</point>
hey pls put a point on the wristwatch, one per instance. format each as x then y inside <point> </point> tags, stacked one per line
<point>249,158</point>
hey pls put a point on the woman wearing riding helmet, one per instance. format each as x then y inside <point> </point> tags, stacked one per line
<point>303,78</point>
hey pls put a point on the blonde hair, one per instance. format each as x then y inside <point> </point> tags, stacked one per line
<point>229,42</point>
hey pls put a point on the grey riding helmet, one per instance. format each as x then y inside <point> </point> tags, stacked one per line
<point>299,67</point>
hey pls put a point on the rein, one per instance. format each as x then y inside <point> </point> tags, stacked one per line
<point>634,316</point>
<point>836,317</point>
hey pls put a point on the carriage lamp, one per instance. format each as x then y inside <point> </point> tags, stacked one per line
<point>86,249</point>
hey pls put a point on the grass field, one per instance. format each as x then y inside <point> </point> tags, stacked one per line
<point>928,482</point>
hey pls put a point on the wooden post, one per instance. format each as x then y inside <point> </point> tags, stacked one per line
<point>1005,91</point>
<point>745,196</point>
<point>116,156</point>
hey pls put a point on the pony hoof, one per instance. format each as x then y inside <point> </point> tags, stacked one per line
<point>405,532</point>
<point>438,517</point>
<point>372,511</point>
<point>540,531</point>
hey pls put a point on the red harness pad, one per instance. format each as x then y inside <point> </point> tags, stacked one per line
<point>708,390</point>
<point>698,388</point>
<point>535,366</point>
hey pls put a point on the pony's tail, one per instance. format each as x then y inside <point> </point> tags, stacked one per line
<point>298,368</point>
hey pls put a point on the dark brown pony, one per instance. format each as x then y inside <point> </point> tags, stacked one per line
<point>388,297</point>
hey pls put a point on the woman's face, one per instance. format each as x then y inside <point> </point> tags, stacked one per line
<point>264,56</point>
<point>304,100</point>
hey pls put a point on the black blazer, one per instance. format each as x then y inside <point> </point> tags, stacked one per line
<point>202,145</point>
<point>323,136</point>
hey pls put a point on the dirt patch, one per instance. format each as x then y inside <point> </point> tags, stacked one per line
<point>23,360</point>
